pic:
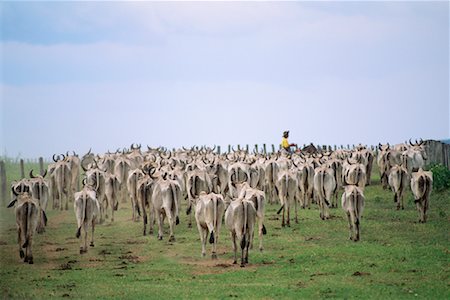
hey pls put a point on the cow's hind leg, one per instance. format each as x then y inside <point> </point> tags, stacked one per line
<point>288,221</point>
<point>260,233</point>
<point>29,251</point>
<point>19,241</point>
<point>85,231</point>
<point>350,227</point>
<point>233,242</point>
<point>202,233</point>
<point>356,227</point>
<point>160,220</point>
<point>93,229</point>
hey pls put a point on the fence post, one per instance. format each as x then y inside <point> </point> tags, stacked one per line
<point>264,148</point>
<point>41,166</point>
<point>229,148</point>
<point>22,169</point>
<point>239,147</point>
<point>218,149</point>
<point>3,181</point>
<point>246,148</point>
<point>273,148</point>
<point>256,148</point>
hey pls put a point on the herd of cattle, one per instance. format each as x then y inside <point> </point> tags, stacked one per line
<point>236,185</point>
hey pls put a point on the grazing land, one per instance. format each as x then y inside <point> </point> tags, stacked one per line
<point>396,258</point>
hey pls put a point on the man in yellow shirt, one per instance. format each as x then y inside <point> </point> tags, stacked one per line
<point>285,143</point>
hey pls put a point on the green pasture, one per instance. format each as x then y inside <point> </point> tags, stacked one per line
<point>397,257</point>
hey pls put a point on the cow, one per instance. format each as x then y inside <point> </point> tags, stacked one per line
<point>95,178</point>
<point>305,176</point>
<point>421,185</point>
<point>336,166</point>
<point>132,182</point>
<point>386,159</point>
<point>87,209</point>
<point>354,173</point>
<point>62,179</point>
<point>27,218</point>
<point>237,172</point>
<point>288,190</point>
<point>414,157</point>
<point>121,170</point>
<point>271,176</point>
<point>398,181</point>
<point>240,219</point>
<point>324,188</point>
<point>165,204</point>
<point>209,211</point>
<point>258,198</point>
<point>353,205</point>
<point>74,165</point>
<point>111,194</point>
<point>40,191</point>
<point>144,197</point>
<point>197,181</point>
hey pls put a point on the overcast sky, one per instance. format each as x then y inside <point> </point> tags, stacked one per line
<point>77,75</point>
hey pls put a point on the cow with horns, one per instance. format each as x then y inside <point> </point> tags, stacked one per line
<point>421,185</point>
<point>414,158</point>
<point>27,217</point>
<point>61,178</point>
<point>40,191</point>
<point>87,209</point>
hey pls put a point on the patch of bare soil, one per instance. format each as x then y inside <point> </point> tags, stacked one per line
<point>312,238</point>
<point>357,273</point>
<point>131,258</point>
<point>321,274</point>
<point>64,267</point>
<point>104,252</point>
<point>3,243</point>
<point>135,242</point>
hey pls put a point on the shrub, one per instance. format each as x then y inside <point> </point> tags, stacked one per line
<point>441,177</point>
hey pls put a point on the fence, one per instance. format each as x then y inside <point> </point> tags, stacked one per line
<point>437,152</point>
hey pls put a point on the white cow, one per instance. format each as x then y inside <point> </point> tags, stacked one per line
<point>324,187</point>
<point>398,181</point>
<point>165,203</point>
<point>27,217</point>
<point>209,211</point>
<point>240,219</point>
<point>87,209</point>
<point>421,185</point>
<point>353,205</point>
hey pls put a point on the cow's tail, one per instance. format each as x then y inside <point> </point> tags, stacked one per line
<point>173,190</point>
<point>27,223</point>
<point>306,180</point>
<point>424,185</point>
<point>322,178</point>
<point>260,205</point>
<point>211,237</point>
<point>115,193</point>
<point>244,231</point>
<point>356,202</point>
<point>281,208</point>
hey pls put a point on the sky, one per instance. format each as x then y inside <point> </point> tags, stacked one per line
<point>103,75</point>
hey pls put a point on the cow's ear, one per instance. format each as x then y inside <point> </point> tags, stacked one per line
<point>11,204</point>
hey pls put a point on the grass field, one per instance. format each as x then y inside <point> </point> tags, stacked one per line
<point>396,258</point>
